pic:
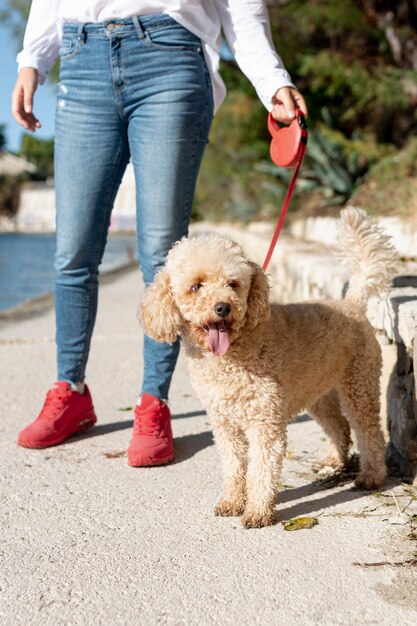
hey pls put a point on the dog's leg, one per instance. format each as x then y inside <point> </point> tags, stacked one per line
<point>232,445</point>
<point>360,400</point>
<point>328,413</point>
<point>267,444</point>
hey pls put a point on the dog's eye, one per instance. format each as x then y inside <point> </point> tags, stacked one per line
<point>196,287</point>
<point>234,284</point>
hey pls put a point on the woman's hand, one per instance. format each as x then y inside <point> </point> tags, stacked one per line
<point>22,99</point>
<point>284,103</point>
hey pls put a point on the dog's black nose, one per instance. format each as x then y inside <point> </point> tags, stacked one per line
<point>222,309</point>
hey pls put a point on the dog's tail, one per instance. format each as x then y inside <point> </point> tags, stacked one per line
<point>368,253</point>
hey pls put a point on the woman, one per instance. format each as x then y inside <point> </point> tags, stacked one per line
<point>138,80</point>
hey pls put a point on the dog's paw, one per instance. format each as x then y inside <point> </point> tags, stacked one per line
<point>368,480</point>
<point>253,519</point>
<point>227,508</point>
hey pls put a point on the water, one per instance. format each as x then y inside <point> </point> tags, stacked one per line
<point>26,264</point>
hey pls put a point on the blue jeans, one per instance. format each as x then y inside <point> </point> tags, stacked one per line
<point>129,88</point>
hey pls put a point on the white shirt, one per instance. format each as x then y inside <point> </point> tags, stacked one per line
<point>245,24</point>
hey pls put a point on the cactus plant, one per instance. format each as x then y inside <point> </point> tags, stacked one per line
<point>326,169</point>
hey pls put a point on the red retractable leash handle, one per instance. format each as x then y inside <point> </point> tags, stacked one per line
<point>288,146</point>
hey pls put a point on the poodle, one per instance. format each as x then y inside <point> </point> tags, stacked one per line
<point>255,366</point>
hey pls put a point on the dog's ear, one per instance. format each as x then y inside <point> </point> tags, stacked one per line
<point>157,312</point>
<point>258,298</point>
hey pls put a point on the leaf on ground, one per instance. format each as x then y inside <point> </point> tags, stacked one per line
<point>299,523</point>
<point>125,408</point>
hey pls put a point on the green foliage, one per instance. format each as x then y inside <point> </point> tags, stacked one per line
<point>344,67</point>
<point>228,184</point>
<point>301,28</point>
<point>2,136</point>
<point>401,164</point>
<point>328,171</point>
<point>390,185</point>
<point>352,95</point>
<point>362,107</point>
<point>9,194</point>
<point>40,152</point>
<point>9,185</point>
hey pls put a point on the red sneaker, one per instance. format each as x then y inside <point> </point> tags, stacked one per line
<point>152,435</point>
<point>64,413</point>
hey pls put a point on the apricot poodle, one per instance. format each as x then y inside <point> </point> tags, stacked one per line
<point>255,366</point>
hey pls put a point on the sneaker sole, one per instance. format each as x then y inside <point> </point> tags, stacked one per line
<point>147,462</point>
<point>85,424</point>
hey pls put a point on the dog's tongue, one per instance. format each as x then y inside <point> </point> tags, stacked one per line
<point>218,338</point>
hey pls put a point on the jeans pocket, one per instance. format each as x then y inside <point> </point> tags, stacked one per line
<point>70,47</point>
<point>174,39</point>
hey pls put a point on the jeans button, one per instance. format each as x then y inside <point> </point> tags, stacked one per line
<point>111,26</point>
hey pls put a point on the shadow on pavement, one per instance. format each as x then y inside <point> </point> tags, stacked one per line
<point>178,416</point>
<point>188,445</point>
<point>311,506</point>
<point>111,427</point>
<point>303,417</point>
<point>185,446</point>
<point>104,429</point>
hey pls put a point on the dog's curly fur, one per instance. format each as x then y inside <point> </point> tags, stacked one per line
<point>275,360</point>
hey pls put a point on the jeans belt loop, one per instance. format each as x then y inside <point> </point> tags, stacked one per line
<point>81,34</point>
<point>138,26</point>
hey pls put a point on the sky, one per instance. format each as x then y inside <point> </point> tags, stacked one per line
<point>44,107</point>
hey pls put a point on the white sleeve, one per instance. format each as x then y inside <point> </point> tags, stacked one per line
<point>41,42</point>
<point>247,29</point>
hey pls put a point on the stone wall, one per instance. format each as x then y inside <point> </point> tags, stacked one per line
<point>304,267</point>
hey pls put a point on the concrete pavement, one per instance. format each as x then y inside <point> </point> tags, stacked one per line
<point>87,540</point>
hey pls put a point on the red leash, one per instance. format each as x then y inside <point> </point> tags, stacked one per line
<point>288,147</point>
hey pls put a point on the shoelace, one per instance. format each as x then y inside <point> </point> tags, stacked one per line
<point>54,402</point>
<point>149,423</point>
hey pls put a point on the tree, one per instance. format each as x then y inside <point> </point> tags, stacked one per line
<point>2,137</point>
<point>40,152</point>
<point>15,15</point>
<point>9,185</point>
<point>397,19</point>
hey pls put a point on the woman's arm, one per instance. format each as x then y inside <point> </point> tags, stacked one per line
<point>41,40</point>
<point>22,99</point>
<point>40,50</point>
<point>247,29</point>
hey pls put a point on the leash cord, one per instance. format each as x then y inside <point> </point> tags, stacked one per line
<point>285,206</point>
